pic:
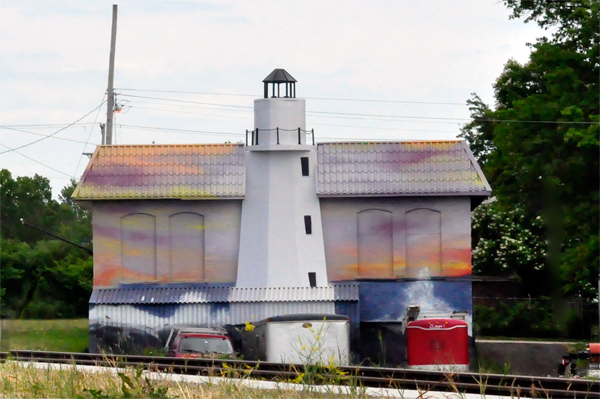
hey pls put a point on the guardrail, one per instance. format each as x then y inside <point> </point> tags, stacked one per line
<point>455,382</point>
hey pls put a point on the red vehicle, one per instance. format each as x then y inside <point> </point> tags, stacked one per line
<point>199,343</point>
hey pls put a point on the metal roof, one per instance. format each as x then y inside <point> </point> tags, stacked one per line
<point>217,171</point>
<point>279,76</point>
<point>204,294</point>
<point>398,168</point>
<point>164,171</point>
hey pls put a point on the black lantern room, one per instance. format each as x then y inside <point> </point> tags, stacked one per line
<point>277,77</point>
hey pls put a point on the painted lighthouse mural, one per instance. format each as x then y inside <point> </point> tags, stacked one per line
<point>219,234</point>
<point>281,238</point>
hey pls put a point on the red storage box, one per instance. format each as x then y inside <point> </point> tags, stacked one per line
<point>432,342</point>
<point>594,353</point>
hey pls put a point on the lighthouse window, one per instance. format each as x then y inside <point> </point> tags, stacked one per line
<point>304,164</point>
<point>307,224</point>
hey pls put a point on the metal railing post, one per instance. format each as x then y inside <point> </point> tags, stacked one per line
<point>299,140</point>
<point>277,136</point>
<point>246,137</point>
<point>313,135</point>
<point>256,136</point>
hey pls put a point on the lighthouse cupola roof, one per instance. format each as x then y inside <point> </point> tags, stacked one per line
<point>276,78</point>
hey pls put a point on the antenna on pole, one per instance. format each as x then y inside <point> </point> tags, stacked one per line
<point>102,126</point>
<point>111,75</point>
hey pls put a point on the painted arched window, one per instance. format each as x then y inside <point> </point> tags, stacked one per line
<point>423,243</point>
<point>186,247</point>
<point>375,245</point>
<point>138,248</point>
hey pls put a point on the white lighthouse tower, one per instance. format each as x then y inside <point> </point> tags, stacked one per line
<point>281,242</point>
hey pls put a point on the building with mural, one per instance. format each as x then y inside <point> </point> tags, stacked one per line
<point>216,235</point>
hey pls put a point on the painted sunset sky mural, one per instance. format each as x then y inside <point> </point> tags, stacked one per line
<point>172,213</point>
<point>391,238</point>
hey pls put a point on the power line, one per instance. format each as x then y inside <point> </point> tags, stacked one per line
<point>190,131</point>
<point>179,130</point>
<point>187,101</point>
<point>43,135</point>
<point>454,119</point>
<point>58,131</point>
<point>89,136</point>
<point>34,160</point>
<point>190,92</point>
<point>44,126</point>
<point>249,117</point>
<point>308,112</point>
<point>346,114</point>
<point>383,128</point>
<point>191,113</point>
<point>315,116</point>
<point>308,98</point>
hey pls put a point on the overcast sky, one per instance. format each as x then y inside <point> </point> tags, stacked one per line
<point>419,60</point>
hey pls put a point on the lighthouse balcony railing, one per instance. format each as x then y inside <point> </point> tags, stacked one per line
<point>253,137</point>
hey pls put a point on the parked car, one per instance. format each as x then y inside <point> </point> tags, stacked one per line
<point>199,343</point>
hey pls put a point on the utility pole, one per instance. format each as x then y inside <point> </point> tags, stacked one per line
<point>111,75</point>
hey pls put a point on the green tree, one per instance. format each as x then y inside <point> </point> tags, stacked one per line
<point>542,157</point>
<point>505,244</point>
<point>26,198</point>
<point>43,277</point>
<point>479,133</point>
<point>75,221</point>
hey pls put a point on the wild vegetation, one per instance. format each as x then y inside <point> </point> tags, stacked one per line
<point>538,146</point>
<point>42,277</point>
<point>47,335</point>
<point>26,381</point>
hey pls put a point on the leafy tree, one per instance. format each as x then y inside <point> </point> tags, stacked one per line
<point>26,198</point>
<point>504,244</point>
<point>479,133</point>
<point>539,146</point>
<point>75,221</point>
<point>42,277</point>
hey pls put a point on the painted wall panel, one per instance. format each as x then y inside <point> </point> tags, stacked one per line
<point>138,247</point>
<point>375,246</point>
<point>447,253</point>
<point>423,243</point>
<point>221,241</point>
<point>186,247</point>
<point>386,301</point>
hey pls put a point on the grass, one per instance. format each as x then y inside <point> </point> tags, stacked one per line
<point>18,380</point>
<point>47,335</point>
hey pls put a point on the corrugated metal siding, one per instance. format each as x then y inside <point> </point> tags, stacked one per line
<point>398,168</point>
<point>165,316</point>
<point>200,294</point>
<point>159,317</point>
<point>254,311</point>
<point>159,295</point>
<point>164,171</point>
<point>341,292</point>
